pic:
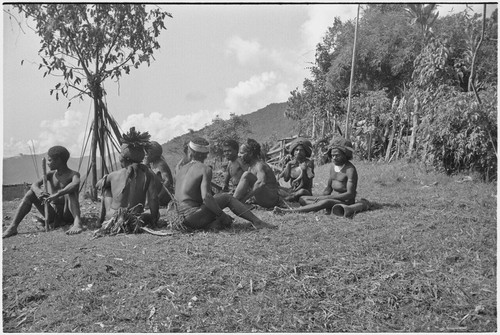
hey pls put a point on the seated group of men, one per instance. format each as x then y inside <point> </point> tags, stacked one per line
<point>145,178</point>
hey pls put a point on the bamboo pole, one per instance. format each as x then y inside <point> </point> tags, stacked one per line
<point>46,189</point>
<point>352,76</point>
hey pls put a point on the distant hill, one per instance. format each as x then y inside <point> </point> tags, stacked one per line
<point>267,125</point>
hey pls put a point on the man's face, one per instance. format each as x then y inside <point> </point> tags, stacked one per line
<point>53,162</point>
<point>338,157</point>
<point>245,154</point>
<point>229,153</point>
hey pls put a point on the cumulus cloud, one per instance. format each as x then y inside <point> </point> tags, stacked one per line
<point>256,92</point>
<point>163,129</point>
<point>245,51</point>
<point>320,18</point>
<point>68,132</point>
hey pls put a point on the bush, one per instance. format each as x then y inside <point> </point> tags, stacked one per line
<point>462,134</point>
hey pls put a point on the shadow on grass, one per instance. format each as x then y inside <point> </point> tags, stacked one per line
<point>377,205</point>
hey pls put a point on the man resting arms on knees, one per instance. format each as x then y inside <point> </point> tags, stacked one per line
<point>341,186</point>
<point>200,209</point>
<point>259,181</point>
<point>125,190</point>
<point>63,186</point>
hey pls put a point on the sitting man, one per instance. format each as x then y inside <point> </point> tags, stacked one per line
<point>235,166</point>
<point>125,191</point>
<point>160,167</point>
<point>63,187</point>
<point>197,205</point>
<point>299,170</point>
<point>343,180</point>
<point>259,182</point>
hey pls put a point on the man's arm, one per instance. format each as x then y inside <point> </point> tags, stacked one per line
<point>329,188</point>
<point>153,201</point>
<point>72,187</point>
<point>166,174</point>
<point>227,178</point>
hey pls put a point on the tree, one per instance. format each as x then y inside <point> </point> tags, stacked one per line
<point>85,44</point>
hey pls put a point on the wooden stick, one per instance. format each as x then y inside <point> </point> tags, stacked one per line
<point>46,203</point>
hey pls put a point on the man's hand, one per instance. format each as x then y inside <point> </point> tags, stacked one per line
<point>52,197</point>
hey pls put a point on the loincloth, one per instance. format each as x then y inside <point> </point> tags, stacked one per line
<point>124,220</point>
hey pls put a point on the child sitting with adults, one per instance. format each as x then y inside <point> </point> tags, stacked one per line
<point>299,170</point>
<point>342,182</point>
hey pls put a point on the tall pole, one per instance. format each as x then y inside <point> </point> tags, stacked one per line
<point>353,63</point>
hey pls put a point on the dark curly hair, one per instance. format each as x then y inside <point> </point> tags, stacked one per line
<point>59,152</point>
<point>232,144</point>
<point>253,148</point>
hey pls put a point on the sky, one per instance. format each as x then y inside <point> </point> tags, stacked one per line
<point>214,60</point>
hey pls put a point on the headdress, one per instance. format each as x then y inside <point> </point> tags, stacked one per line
<point>134,145</point>
<point>343,145</point>
<point>306,144</point>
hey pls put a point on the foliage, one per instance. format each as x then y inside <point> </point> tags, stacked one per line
<point>85,44</point>
<point>235,128</point>
<point>462,134</point>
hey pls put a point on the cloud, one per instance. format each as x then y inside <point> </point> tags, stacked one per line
<point>320,18</point>
<point>254,93</point>
<point>163,129</point>
<point>245,51</point>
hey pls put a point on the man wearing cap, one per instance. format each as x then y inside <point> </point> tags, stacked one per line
<point>128,188</point>
<point>299,170</point>
<point>200,209</point>
<point>259,182</point>
<point>341,185</point>
<point>157,163</point>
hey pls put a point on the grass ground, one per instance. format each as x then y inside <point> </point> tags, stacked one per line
<point>422,260</point>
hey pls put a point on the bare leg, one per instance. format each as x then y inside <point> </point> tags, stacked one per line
<point>313,207</point>
<point>244,187</point>
<point>24,208</point>
<point>74,208</point>
<point>225,200</point>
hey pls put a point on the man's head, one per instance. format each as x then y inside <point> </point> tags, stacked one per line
<point>250,151</point>
<point>58,156</point>
<point>153,153</point>
<point>230,149</point>
<point>341,150</point>
<point>133,148</point>
<point>198,149</point>
<point>301,148</point>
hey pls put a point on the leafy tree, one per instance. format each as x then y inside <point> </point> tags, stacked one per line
<point>85,44</point>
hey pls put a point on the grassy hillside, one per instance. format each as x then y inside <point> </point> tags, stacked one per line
<point>267,125</point>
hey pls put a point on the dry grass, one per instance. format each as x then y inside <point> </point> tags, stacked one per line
<point>424,259</point>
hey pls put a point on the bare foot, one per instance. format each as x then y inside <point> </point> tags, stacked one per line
<point>261,224</point>
<point>10,231</point>
<point>76,228</point>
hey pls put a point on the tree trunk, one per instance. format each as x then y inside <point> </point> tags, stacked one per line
<point>323,126</point>
<point>413,134</point>
<point>313,135</point>
<point>93,150</point>
<point>369,145</point>
<point>391,140</point>
<point>398,147</point>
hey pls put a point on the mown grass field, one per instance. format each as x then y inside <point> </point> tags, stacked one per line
<point>422,260</point>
